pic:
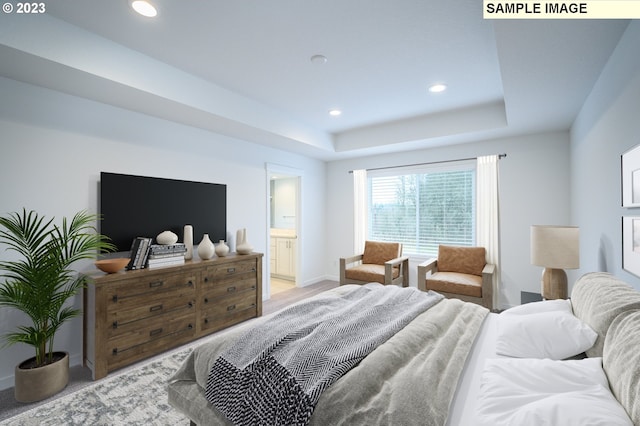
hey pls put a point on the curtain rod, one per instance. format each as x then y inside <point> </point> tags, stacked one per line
<point>500,157</point>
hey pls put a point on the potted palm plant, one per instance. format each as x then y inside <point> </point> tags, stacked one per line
<point>39,283</point>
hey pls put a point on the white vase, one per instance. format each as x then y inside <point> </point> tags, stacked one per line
<point>222,249</point>
<point>206,250</point>
<point>188,241</point>
<point>242,246</point>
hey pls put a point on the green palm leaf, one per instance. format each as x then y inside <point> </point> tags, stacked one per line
<point>42,280</point>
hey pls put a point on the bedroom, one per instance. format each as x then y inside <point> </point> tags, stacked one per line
<point>547,177</point>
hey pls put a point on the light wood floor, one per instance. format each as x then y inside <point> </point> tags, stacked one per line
<point>279,285</point>
<point>293,294</point>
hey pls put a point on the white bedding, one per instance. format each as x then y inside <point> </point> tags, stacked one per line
<point>463,407</point>
<point>536,392</point>
<point>489,380</point>
<point>546,329</point>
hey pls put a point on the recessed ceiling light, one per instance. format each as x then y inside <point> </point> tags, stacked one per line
<point>437,88</point>
<point>319,59</point>
<point>335,112</point>
<point>144,8</point>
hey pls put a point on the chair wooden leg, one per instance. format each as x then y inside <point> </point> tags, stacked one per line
<point>422,278</point>
<point>405,273</point>
<point>388,274</point>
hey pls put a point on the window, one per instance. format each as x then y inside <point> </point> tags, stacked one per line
<point>424,207</point>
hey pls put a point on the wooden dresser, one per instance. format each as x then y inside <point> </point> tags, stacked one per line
<point>131,315</point>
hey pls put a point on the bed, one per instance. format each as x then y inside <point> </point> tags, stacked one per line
<point>444,366</point>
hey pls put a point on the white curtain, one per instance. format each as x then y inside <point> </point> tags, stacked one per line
<point>488,215</point>
<point>359,210</point>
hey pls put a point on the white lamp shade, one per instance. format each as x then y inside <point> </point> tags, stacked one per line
<point>556,247</point>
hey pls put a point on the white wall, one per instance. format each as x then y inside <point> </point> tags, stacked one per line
<point>607,126</point>
<point>54,146</point>
<point>283,199</point>
<point>534,179</point>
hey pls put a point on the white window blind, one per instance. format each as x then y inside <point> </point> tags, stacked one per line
<point>422,208</point>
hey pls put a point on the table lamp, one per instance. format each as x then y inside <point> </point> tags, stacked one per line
<point>555,248</point>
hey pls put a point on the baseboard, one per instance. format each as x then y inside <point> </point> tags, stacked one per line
<point>318,280</point>
<point>75,359</point>
<point>6,382</point>
<point>335,278</point>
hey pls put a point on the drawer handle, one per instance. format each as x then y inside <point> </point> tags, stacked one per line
<point>190,283</point>
<point>115,324</point>
<point>115,298</point>
<point>231,270</point>
<point>190,326</point>
<point>206,320</point>
<point>206,279</point>
<point>155,332</point>
<point>190,304</point>
<point>156,284</point>
<point>231,308</point>
<point>206,300</point>
<point>231,289</point>
<point>155,308</point>
<point>115,351</point>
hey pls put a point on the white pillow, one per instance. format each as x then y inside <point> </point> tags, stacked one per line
<point>545,329</point>
<point>556,305</point>
<point>545,392</point>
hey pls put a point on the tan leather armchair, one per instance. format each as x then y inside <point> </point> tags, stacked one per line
<point>459,272</point>
<point>381,262</point>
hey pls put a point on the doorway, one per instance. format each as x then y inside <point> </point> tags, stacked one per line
<point>284,228</point>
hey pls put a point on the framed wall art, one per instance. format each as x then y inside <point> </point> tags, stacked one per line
<point>630,168</point>
<point>631,244</point>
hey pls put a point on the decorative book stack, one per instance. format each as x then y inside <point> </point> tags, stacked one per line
<point>161,255</point>
<point>139,253</point>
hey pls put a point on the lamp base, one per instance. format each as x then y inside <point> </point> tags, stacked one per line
<point>554,284</point>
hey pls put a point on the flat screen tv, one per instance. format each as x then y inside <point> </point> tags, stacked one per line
<point>140,206</point>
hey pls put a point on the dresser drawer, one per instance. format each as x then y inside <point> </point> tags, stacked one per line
<point>149,335</point>
<point>120,358</point>
<point>211,323</point>
<point>229,304</point>
<point>131,309</point>
<point>211,309</point>
<point>147,285</point>
<point>213,290</point>
<point>228,270</point>
<point>149,312</point>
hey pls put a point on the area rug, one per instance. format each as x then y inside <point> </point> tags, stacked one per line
<point>136,396</point>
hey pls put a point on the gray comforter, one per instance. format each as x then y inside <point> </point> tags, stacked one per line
<point>409,379</point>
<point>275,373</point>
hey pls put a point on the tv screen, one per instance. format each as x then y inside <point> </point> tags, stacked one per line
<point>139,206</point>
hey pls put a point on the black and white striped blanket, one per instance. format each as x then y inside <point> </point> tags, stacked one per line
<point>275,373</point>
